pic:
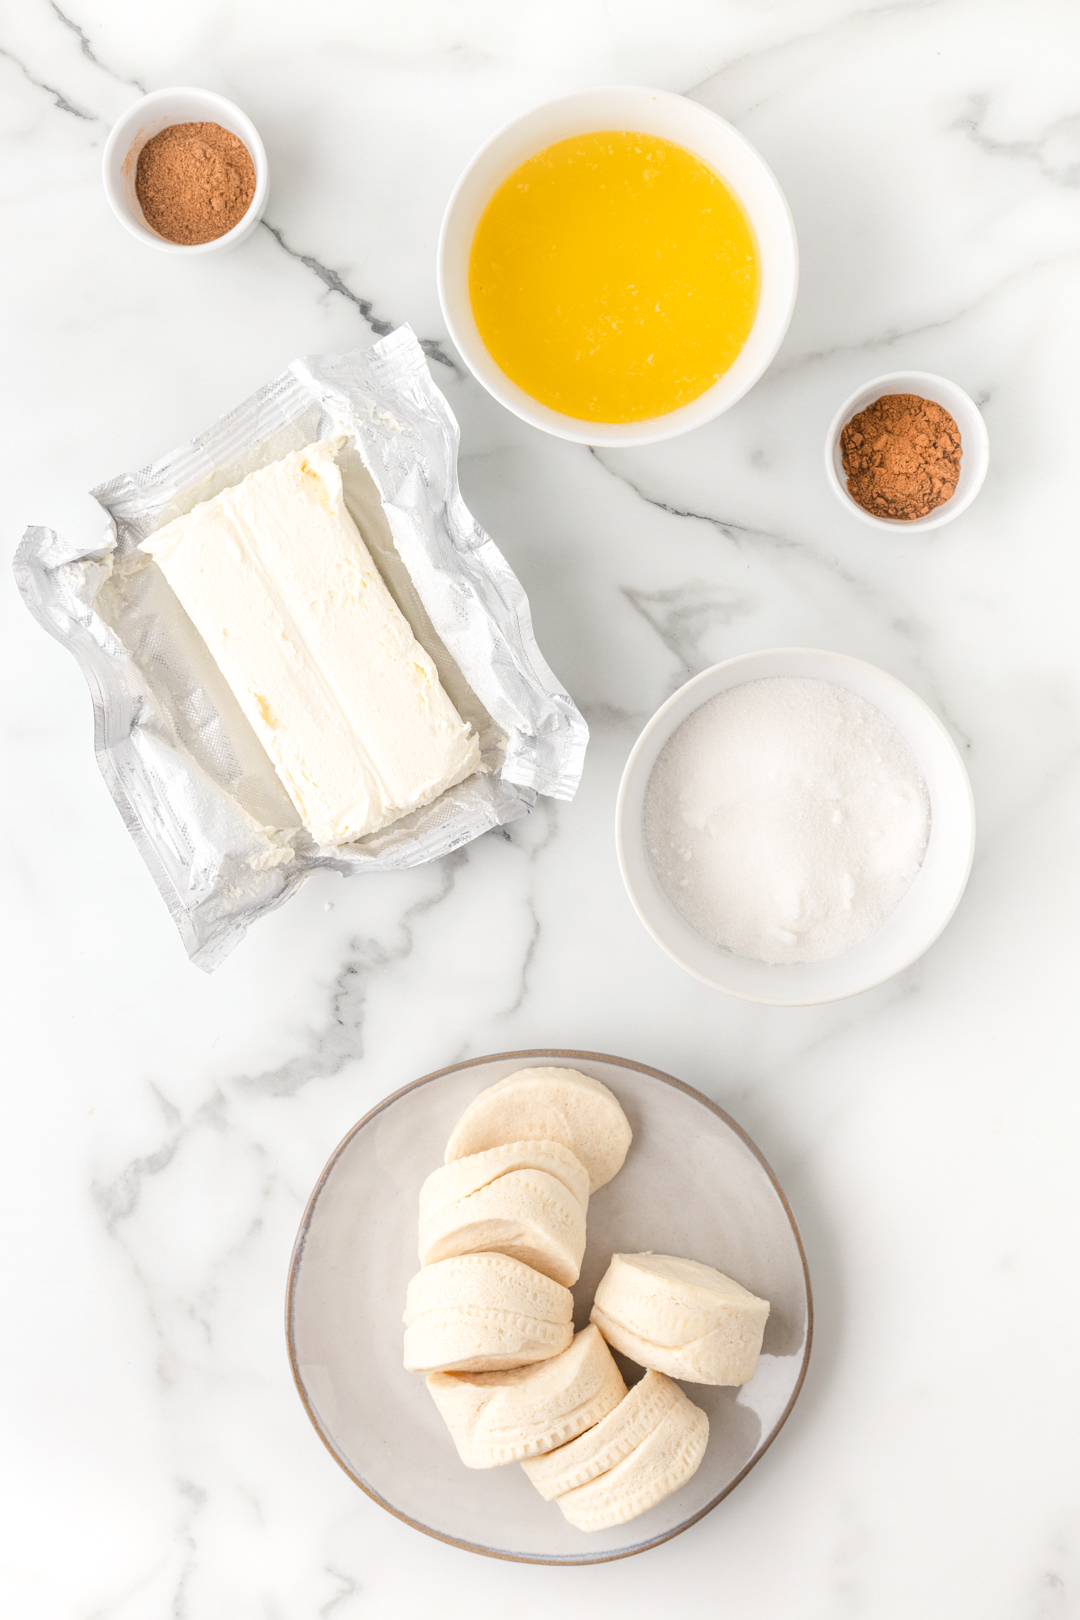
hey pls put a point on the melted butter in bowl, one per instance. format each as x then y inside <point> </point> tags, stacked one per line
<point>614,276</point>
<point>618,266</point>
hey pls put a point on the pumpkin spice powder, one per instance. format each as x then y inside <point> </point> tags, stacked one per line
<point>901,456</point>
<point>194,182</point>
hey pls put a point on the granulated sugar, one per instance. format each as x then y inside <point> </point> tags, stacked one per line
<point>786,819</point>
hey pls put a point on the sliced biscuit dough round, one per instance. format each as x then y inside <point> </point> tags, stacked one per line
<point>613,1438</point>
<point>527,1215</point>
<point>680,1317</point>
<point>501,1417</point>
<point>488,1281</point>
<point>550,1105</point>
<point>482,1312</point>
<point>660,1465</point>
<point>465,1176</point>
<point>464,1338</point>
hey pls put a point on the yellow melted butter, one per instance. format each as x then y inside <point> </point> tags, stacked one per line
<point>614,276</point>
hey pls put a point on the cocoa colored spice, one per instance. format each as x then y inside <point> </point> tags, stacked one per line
<point>902,456</point>
<point>194,182</point>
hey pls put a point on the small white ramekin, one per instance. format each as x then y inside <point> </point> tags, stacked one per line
<point>652,112</point>
<point>974,443</point>
<point>149,117</point>
<point>922,913</point>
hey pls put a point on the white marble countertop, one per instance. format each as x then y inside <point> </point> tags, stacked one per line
<point>162,1128</point>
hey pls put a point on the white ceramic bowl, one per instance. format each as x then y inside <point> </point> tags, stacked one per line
<point>921,914</point>
<point>148,117</point>
<point>974,442</point>
<point>653,112</point>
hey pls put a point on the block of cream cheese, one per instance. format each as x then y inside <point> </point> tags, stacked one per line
<point>483,1312</point>
<point>556,1105</point>
<point>277,580</point>
<point>613,1438</point>
<point>681,1317</point>
<point>501,1417</point>
<point>527,1214</point>
<point>657,1467</point>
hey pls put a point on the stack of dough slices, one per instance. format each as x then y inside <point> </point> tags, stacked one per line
<point>501,1417</point>
<point>643,1451</point>
<point>488,1318</point>
<point>502,1224</point>
<point>523,1199</point>
<point>680,1317</point>
<point>615,1437</point>
<point>484,1312</point>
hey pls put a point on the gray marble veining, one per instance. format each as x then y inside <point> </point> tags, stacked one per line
<point>163,1130</point>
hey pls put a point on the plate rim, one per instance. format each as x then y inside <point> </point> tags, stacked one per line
<point>301,1239</point>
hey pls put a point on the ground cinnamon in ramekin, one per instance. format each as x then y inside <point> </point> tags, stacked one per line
<point>902,456</point>
<point>194,182</point>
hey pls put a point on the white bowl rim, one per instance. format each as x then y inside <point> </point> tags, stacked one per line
<point>948,510</point>
<point>125,129</point>
<point>607,434</point>
<point>623,833</point>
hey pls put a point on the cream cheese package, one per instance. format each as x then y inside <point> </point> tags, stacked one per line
<point>275,576</point>
<point>225,827</point>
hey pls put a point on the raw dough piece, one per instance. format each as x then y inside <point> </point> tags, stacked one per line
<point>482,1312</point>
<point>468,1338</point>
<point>501,1417</point>
<point>489,1281</point>
<point>613,1438</point>
<point>681,1317</point>
<point>555,1105</point>
<point>464,1176</point>
<point>660,1465</point>
<point>527,1215</point>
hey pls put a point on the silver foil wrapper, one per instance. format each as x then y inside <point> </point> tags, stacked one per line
<point>195,788</point>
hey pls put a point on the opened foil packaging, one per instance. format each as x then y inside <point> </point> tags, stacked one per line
<point>196,790</point>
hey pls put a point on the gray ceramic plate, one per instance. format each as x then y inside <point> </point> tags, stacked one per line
<point>693,1184</point>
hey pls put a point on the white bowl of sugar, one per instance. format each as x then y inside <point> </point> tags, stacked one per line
<point>811,815</point>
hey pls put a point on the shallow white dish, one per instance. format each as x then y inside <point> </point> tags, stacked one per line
<point>653,112</point>
<point>693,1184</point>
<point>148,117</point>
<point>974,443</point>
<point>922,913</point>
